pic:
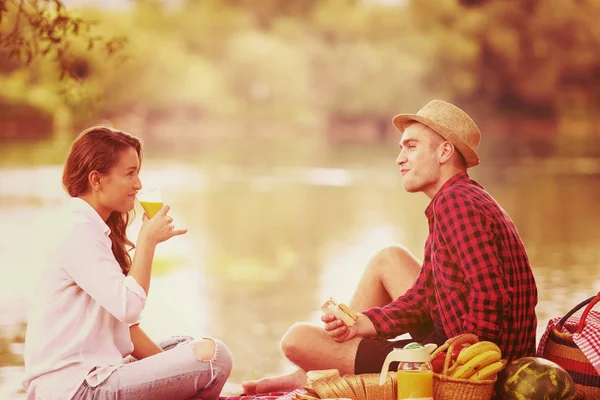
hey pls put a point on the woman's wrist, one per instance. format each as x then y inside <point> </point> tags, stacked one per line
<point>145,240</point>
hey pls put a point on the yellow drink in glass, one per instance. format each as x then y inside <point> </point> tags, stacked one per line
<point>150,200</point>
<point>151,207</point>
<point>415,385</point>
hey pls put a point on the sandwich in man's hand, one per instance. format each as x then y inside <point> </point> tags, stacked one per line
<point>340,311</point>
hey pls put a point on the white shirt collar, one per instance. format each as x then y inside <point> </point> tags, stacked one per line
<point>81,206</point>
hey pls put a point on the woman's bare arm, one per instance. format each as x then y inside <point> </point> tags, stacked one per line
<point>143,346</point>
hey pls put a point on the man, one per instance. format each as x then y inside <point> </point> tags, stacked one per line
<point>475,276</point>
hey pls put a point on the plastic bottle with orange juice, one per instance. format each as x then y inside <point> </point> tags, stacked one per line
<point>415,375</point>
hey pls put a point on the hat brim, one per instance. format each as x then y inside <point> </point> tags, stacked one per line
<point>471,158</point>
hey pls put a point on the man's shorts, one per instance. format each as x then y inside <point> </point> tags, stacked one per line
<point>371,354</point>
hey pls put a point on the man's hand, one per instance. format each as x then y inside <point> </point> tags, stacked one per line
<point>340,332</point>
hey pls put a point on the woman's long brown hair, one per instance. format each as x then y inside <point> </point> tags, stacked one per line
<point>99,149</point>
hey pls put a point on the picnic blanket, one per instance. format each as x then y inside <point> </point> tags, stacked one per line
<point>263,396</point>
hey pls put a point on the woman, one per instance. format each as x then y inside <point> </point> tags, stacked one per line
<point>84,319</point>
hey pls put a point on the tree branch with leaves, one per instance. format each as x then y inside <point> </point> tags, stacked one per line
<point>31,29</point>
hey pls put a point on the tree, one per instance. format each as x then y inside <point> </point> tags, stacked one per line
<point>525,58</point>
<point>31,29</point>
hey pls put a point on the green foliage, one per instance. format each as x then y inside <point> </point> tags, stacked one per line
<point>253,67</point>
<point>527,57</point>
<point>269,78</point>
<point>44,28</point>
<point>162,265</point>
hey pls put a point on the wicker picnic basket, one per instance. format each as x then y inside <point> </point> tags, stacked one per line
<point>446,388</point>
<point>561,349</point>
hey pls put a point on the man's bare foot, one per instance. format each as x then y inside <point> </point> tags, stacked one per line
<point>282,383</point>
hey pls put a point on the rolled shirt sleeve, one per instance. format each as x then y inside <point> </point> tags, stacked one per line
<point>408,313</point>
<point>93,267</point>
<point>135,287</point>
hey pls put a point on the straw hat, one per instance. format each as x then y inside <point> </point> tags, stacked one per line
<point>450,122</point>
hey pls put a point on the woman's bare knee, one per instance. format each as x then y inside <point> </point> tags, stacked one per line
<point>205,349</point>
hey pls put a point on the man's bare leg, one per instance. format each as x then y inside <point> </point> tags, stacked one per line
<point>389,274</point>
<point>324,354</point>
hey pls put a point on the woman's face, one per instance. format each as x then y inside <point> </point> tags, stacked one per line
<point>119,186</point>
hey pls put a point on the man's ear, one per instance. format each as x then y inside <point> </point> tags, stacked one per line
<point>94,180</point>
<point>446,151</point>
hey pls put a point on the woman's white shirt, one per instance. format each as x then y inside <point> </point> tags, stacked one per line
<point>78,325</point>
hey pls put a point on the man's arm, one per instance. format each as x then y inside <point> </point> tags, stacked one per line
<point>408,313</point>
<point>471,233</point>
<point>143,346</point>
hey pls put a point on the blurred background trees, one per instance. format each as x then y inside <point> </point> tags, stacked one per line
<point>332,70</point>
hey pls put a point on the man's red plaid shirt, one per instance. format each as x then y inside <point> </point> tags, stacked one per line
<point>475,277</point>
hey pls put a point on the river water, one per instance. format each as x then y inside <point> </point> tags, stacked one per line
<point>266,247</point>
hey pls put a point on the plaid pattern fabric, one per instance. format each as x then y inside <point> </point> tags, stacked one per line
<point>475,277</point>
<point>264,396</point>
<point>588,340</point>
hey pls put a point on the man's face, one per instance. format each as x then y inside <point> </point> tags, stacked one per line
<point>419,159</point>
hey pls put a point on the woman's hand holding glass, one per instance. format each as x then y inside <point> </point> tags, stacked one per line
<point>156,224</point>
<point>160,227</point>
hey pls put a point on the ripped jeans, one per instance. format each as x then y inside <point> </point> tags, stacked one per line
<point>174,374</point>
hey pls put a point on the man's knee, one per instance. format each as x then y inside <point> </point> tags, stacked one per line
<point>396,257</point>
<point>394,252</point>
<point>296,340</point>
<point>310,348</point>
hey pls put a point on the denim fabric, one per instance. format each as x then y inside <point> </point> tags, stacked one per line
<point>174,374</point>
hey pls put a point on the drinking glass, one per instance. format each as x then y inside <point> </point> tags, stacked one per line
<point>150,200</point>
